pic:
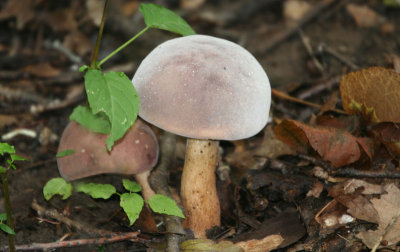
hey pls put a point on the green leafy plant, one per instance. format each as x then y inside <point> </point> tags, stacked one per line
<point>131,202</point>
<point>113,106</point>
<point>113,101</point>
<point>7,159</point>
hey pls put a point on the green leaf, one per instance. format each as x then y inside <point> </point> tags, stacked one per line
<point>65,153</point>
<point>57,186</point>
<point>114,95</point>
<point>6,148</point>
<point>132,203</point>
<point>15,157</point>
<point>3,217</point>
<point>6,229</point>
<point>131,186</point>
<point>165,205</point>
<point>156,16</point>
<point>98,123</point>
<point>83,68</point>
<point>97,191</point>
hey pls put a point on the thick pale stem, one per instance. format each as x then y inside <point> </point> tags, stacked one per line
<point>198,187</point>
<point>143,180</point>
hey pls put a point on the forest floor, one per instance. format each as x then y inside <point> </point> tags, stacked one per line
<point>314,201</point>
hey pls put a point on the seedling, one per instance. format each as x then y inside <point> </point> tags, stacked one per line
<point>130,201</point>
<point>113,105</point>
<point>7,159</point>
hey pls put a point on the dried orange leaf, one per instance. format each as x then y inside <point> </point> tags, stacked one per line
<point>337,146</point>
<point>372,92</point>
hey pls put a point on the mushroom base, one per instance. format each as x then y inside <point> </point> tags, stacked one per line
<point>198,187</point>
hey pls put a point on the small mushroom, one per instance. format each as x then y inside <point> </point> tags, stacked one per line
<point>206,89</point>
<point>135,154</point>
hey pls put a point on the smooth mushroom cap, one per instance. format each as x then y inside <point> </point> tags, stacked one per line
<point>203,87</point>
<point>135,153</point>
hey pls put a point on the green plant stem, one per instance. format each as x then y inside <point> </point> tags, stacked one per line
<point>123,46</point>
<point>99,36</point>
<point>7,206</point>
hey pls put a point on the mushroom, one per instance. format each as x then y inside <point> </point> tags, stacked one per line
<point>206,89</point>
<point>135,154</point>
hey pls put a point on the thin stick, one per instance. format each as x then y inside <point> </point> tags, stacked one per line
<point>80,242</point>
<point>52,213</point>
<point>282,95</point>
<point>387,229</point>
<point>99,36</point>
<point>290,32</point>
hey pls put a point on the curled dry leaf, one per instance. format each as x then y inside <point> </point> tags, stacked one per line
<point>388,209</point>
<point>337,146</point>
<point>372,92</point>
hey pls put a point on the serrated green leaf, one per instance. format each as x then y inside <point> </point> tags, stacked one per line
<point>96,191</point>
<point>132,203</point>
<point>156,16</point>
<point>57,186</point>
<point>165,205</point>
<point>6,148</point>
<point>6,229</point>
<point>98,123</point>
<point>65,153</point>
<point>15,157</point>
<point>3,217</point>
<point>131,186</point>
<point>114,95</point>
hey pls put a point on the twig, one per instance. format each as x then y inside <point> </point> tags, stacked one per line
<point>282,95</point>
<point>351,172</point>
<point>387,229</point>
<point>354,173</point>
<point>80,242</point>
<point>159,182</point>
<point>329,50</point>
<point>316,89</point>
<point>291,31</point>
<point>306,42</point>
<point>52,213</point>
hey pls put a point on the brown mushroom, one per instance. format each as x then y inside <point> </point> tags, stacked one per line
<point>203,87</point>
<point>135,154</point>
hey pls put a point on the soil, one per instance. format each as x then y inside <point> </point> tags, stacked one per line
<point>25,81</point>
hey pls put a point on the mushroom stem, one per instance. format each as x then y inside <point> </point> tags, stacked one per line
<point>143,181</point>
<point>198,188</point>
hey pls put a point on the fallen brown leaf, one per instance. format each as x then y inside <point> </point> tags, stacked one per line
<point>373,92</point>
<point>337,146</point>
<point>352,194</point>
<point>388,209</point>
